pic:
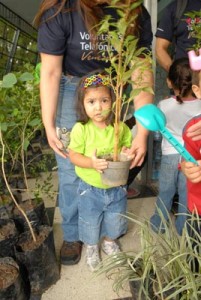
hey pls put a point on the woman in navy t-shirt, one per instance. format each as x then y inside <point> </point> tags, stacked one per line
<point>176,32</point>
<point>66,40</point>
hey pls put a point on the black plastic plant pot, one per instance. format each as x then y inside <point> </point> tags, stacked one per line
<point>39,259</point>
<point>11,284</point>
<point>136,290</point>
<point>142,290</point>
<point>35,211</point>
<point>8,237</point>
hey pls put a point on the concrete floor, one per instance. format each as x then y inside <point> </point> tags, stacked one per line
<point>77,282</point>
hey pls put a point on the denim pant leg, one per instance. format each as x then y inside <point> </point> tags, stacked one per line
<point>167,188</point>
<point>68,180</point>
<point>182,205</point>
<point>90,204</point>
<point>114,223</point>
<point>99,213</point>
<point>68,201</point>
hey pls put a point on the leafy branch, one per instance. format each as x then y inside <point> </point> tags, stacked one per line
<point>123,53</point>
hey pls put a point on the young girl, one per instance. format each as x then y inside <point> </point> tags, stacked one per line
<point>100,206</point>
<point>178,110</point>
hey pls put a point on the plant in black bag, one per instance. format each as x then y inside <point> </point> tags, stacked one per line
<point>34,250</point>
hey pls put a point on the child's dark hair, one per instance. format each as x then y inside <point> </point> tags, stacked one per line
<point>180,76</point>
<point>97,78</point>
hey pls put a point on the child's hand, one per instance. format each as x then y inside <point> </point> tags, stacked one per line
<point>194,131</point>
<point>99,164</point>
<point>191,171</point>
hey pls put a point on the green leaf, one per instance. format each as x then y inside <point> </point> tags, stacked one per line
<point>3,126</point>
<point>9,80</point>
<point>26,76</point>
<point>26,144</point>
<point>15,112</point>
<point>35,122</point>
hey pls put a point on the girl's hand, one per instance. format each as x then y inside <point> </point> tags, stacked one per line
<point>99,164</point>
<point>194,131</point>
<point>191,171</point>
<point>55,143</point>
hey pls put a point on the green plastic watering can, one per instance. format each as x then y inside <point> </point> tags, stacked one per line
<point>152,118</point>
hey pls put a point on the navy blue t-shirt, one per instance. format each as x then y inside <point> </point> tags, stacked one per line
<point>183,32</point>
<point>66,35</point>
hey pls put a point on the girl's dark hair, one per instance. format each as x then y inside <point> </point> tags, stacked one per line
<point>180,75</point>
<point>80,94</point>
<point>91,13</point>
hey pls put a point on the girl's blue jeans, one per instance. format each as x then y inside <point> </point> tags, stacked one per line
<point>101,213</point>
<point>171,180</point>
<point>68,181</point>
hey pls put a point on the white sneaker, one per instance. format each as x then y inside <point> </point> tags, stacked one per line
<point>92,257</point>
<point>110,247</point>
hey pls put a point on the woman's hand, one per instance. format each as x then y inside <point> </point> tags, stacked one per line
<point>55,143</point>
<point>138,150</point>
<point>194,131</point>
<point>191,171</point>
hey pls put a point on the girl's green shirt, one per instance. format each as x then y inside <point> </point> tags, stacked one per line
<point>87,138</point>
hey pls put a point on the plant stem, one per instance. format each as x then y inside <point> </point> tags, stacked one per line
<point>9,189</point>
<point>119,91</point>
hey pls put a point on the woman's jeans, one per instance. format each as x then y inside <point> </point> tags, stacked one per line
<point>68,181</point>
<point>171,180</point>
<point>101,213</point>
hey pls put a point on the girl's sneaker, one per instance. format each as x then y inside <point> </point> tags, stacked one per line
<point>110,247</point>
<point>92,257</point>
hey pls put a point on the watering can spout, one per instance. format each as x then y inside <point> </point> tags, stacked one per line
<point>152,118</point>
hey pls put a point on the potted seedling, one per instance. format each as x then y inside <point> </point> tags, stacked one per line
<point>123,62</point>
<point>20,119</point>
<point>195,32</point>
<point>133,268</point>
<point>162,269</point>
<point>11,284</point>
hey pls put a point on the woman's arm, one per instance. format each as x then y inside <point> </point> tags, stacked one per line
<point>51,70</point>
<point>139,144</point>
<point>162,54</point>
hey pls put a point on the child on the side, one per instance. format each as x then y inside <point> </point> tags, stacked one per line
<point>101,208</point>
<point>193,174</point>
<point>178,110</point>
<point>192,171</point>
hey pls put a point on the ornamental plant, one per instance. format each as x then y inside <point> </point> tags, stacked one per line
<point>194,23</point>
<point>19,120</point>
<point>164,266</point>
<point>123,54</point>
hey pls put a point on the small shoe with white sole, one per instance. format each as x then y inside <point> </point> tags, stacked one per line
<point>92,257</point>
<point>110,247</point>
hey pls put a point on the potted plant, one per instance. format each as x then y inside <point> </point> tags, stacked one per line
<point>123,62</point>
<point>11,284</point>
<point>194,53</point>
<point>163,266</point>
<point>19,122</point>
